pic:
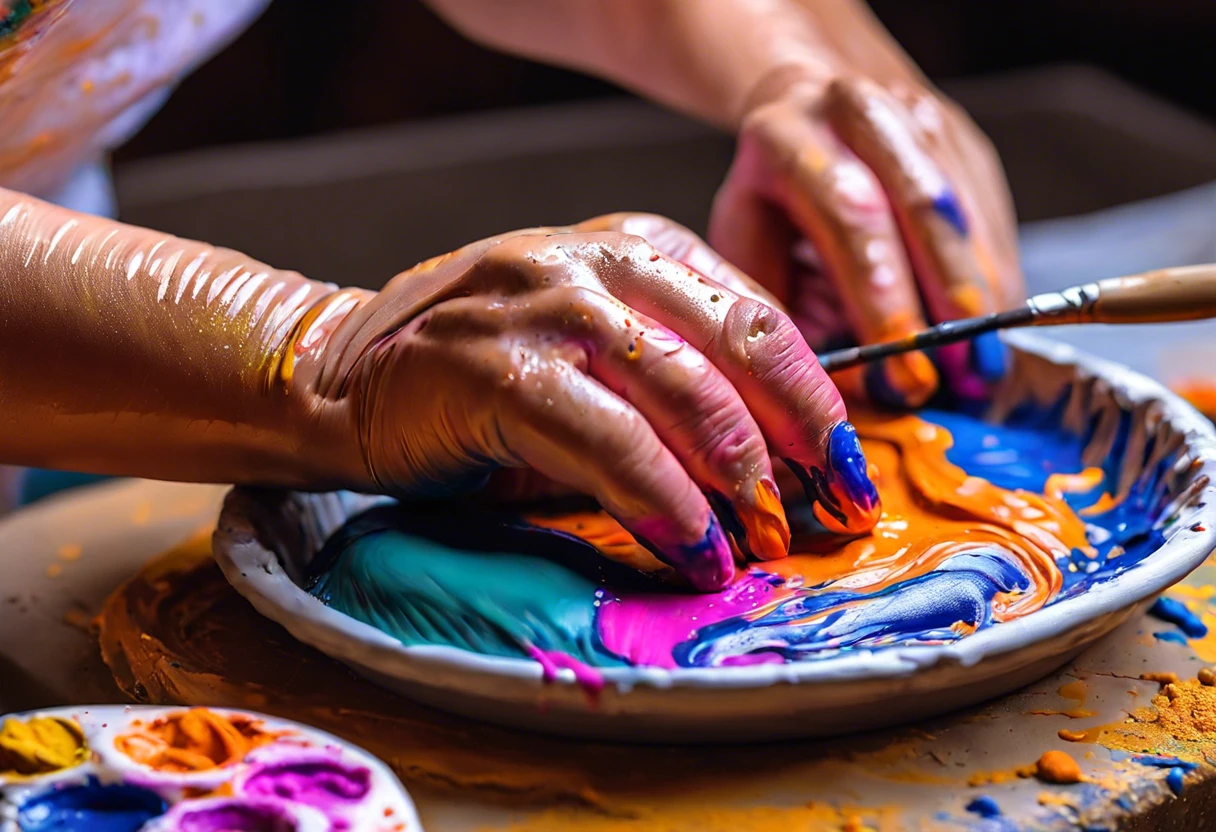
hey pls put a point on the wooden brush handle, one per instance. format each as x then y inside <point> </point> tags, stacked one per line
<point>1182,294</point>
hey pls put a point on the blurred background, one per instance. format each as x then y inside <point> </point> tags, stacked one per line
<point>381,124</point>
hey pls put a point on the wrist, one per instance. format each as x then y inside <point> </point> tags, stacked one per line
<point>322,424</point>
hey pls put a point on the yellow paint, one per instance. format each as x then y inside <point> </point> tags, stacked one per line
<point>40,746</point>
<point>70,551</point>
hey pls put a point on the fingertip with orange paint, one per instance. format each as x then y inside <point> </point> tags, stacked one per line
<point>763,518</point>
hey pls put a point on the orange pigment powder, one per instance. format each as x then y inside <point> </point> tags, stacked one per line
<point>195,740</point>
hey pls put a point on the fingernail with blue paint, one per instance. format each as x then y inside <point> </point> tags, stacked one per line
<point>947,206</point>
<point>843,498</point>
<point>847,461</point>
<point>989,357</point>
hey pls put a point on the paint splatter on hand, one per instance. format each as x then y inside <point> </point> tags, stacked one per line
<point>871,207</point>
<point>612,367</point>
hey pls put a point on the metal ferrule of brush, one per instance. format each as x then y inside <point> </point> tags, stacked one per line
<point>1070,306</point>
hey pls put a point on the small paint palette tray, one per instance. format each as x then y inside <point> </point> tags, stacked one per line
<point>144,769</point>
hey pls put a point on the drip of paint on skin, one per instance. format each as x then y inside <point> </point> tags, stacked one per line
<point>40,746</point>
<point>947,206</point>
<point>979,525</point>
<point>193,740</point>
<point>323,784</point>
<point>92,807</point>
<point>237,816</point>
<point>985,807</point>
<point>1176,613</point>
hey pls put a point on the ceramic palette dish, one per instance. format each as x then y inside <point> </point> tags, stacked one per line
<point>265,542</point>
<point>144,769</point>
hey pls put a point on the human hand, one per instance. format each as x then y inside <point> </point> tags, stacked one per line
<point>649,374</point>
<point>870,204</point>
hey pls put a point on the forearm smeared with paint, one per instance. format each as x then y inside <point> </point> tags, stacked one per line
<point>843,144</point>
<point>585,353</point>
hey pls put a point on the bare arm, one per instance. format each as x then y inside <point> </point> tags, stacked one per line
<point>846,154</point>
<point>128,351</point>
<point>705,58</point>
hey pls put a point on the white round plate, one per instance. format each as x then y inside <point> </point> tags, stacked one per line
<point>266,539</point>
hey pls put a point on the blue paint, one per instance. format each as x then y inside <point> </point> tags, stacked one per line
<point>922,610</point>
<point>984,806</point>
<point>1176,613</point>
<point>1170,636</point>
<point>947,206</point>
<point>90,807</point>
<point>1176,780</point>
<point>989,356</point>
<point>1162,761</point>
<point>848,462</point>
<point>844,489</point>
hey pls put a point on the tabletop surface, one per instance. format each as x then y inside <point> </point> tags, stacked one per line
<point>61,558</point>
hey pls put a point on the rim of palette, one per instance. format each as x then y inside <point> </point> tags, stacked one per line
<point>257,574</point>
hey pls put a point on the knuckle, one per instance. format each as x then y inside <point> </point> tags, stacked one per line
<point>513,264</point>
<point>725,439</point>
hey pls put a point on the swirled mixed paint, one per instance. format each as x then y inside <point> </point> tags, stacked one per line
<point>981,524</point>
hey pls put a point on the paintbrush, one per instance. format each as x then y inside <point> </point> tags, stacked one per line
<point>1187,293</point>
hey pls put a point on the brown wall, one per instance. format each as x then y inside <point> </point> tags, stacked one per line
<point>304,69</point>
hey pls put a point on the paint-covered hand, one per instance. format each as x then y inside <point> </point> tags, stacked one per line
<point>870,205</point>
<point>651,375</point>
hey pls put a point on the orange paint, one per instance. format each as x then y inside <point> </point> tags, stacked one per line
<point>767,528</point>
<point>1057,767</point>
<point>931,510</point>
<point>1077,691</point>
<point>1201,395</point>
<point>911,374</point>
<point>194,740</point>
<point>1160,678</point>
